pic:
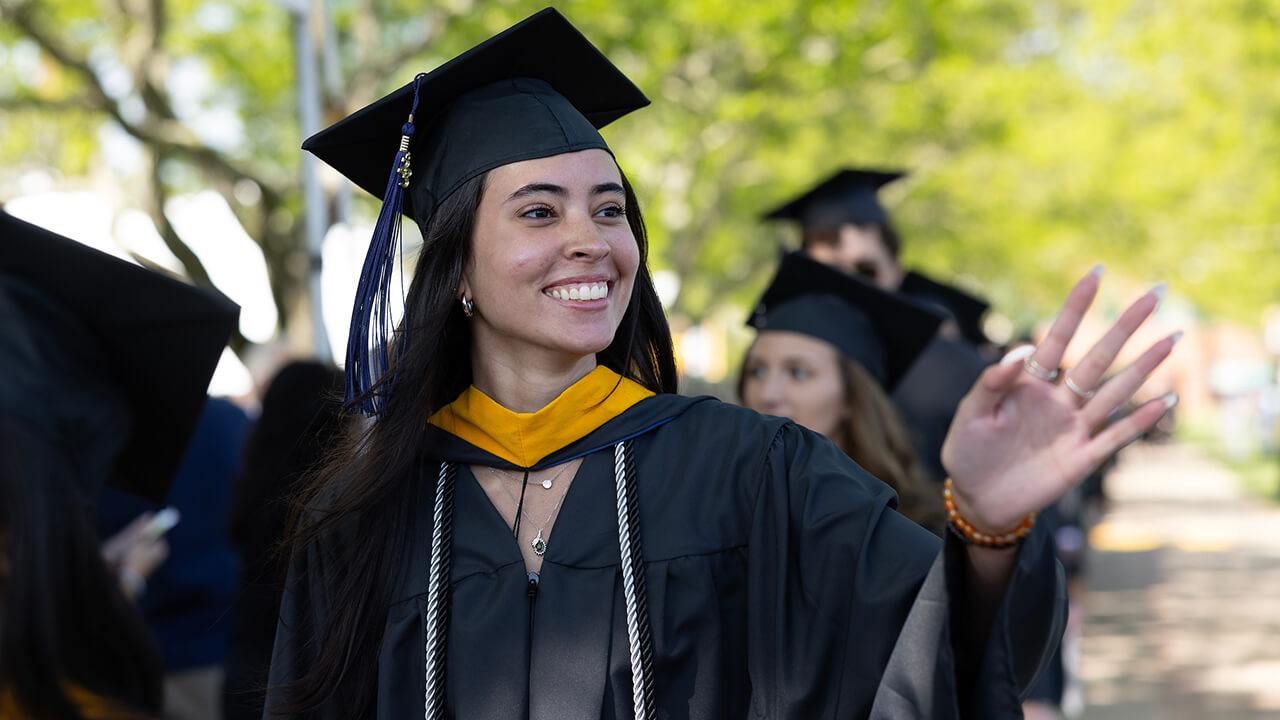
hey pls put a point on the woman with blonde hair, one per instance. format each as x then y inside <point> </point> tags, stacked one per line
<point>829,349</point>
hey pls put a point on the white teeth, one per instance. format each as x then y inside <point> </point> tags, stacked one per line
<point>581,293</point>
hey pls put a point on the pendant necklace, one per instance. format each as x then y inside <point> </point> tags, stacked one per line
<point>545,482</point>
<point>538,542</point>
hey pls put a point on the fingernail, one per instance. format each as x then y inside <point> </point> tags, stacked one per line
<point>1096,270</point>
<point>1160,289</point>
<point>1022,352</point>
<point>1169,400</point>
<point>1176,337</point>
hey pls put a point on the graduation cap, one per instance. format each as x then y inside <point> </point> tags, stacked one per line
<point>848,197</point>
<point>964,308</point>
<point>109,359</point>
<point>881,331</point>
<point>535,90</point>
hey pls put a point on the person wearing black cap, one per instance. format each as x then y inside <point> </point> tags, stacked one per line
<point>106,366</point>
<point>532,524</point>
<point>963,310</point>
<point>844,225</point>
<point>829,350</point>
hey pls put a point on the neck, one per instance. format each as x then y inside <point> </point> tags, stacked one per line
<point>532,383</point>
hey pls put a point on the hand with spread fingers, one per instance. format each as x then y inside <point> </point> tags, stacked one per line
<point>1028,432</point>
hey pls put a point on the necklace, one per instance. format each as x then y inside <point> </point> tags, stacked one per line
<point>545,482</point>
<point>538,542</point>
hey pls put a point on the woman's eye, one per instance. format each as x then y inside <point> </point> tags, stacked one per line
<point>538,213</point>
<point>866,269</point>
<point>799,373</point>
<point>758,372</point>
<point>612,211</point>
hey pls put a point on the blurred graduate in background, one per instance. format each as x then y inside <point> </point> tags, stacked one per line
<point>830,348</point>
<point>844,225</point>
<point>107,365</point>
<point>301,420</point>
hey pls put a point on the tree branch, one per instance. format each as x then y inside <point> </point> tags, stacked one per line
<point>157,197</point>
<point>41,104</point>
<point>369,74</point>
<point>169,137</point>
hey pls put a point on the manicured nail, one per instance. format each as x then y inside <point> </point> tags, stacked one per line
<point>1176,337</point>
<point>1096,270</point>
<point>1160,289</point>
<point>1169,400</point>
<point>1022,352</point>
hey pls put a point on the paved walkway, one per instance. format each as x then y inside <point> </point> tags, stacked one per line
<point>1183,600</point>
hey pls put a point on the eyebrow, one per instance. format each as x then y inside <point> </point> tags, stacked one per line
<point>536,188</point>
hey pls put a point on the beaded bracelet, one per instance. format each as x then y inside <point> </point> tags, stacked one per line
<point>969,534</point>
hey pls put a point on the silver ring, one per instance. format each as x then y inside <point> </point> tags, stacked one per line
<point>1071,385</point>
<point>1040,372</point>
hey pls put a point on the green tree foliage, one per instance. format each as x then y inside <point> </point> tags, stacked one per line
<point>1041,136</point>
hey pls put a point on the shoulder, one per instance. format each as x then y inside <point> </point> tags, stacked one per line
<point>712,414</point>
<point>736,440</point>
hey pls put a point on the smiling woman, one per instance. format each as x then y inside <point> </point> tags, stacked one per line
<point>534,525</point>
<point>553,260</point>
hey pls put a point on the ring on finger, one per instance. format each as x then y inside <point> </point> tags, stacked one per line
<point>1040,372</point>
<point>1073,387</point>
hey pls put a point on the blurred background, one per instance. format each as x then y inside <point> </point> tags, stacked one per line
<point>1041,137</point>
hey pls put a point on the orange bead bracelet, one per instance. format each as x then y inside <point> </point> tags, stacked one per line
<point>972,535</point>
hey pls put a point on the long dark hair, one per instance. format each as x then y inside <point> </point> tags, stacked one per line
<point>63,620</point>
<point>301,420</point>
<point>368,492</point>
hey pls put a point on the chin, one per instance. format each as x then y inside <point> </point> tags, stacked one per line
<point>582,340</point>
<point>583,346</point>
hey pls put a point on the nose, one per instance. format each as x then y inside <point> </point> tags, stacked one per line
<point>586,242</point>
<point>770,391</point>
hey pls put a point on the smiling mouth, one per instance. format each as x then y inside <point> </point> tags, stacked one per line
<point>581,293</point>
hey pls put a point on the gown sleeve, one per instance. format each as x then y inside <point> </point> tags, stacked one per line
<point>851,605</point>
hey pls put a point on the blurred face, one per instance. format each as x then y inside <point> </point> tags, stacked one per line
<point>795,376</point>
<point>860,250</point>
<point>553,259</point>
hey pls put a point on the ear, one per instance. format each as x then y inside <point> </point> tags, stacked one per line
<point>464,286</point>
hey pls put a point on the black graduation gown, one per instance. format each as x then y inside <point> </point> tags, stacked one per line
<point>930,392</point>
<point>781,584</point>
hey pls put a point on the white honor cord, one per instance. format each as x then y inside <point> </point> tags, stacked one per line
<point>434,707</point>
<point>638,679</point>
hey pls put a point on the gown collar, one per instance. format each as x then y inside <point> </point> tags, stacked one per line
<point>523,439</point>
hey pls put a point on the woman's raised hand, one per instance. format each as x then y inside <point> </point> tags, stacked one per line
<point>1023,437</point>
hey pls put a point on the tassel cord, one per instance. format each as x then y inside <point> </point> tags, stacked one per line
<point>633,585</point>
<point>438,593</point>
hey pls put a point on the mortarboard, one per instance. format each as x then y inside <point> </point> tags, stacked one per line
<point>964,308</point>
<point>534,90</point>
<point>848,197</point>
<point>881,331</point>
<point>92,340</point>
